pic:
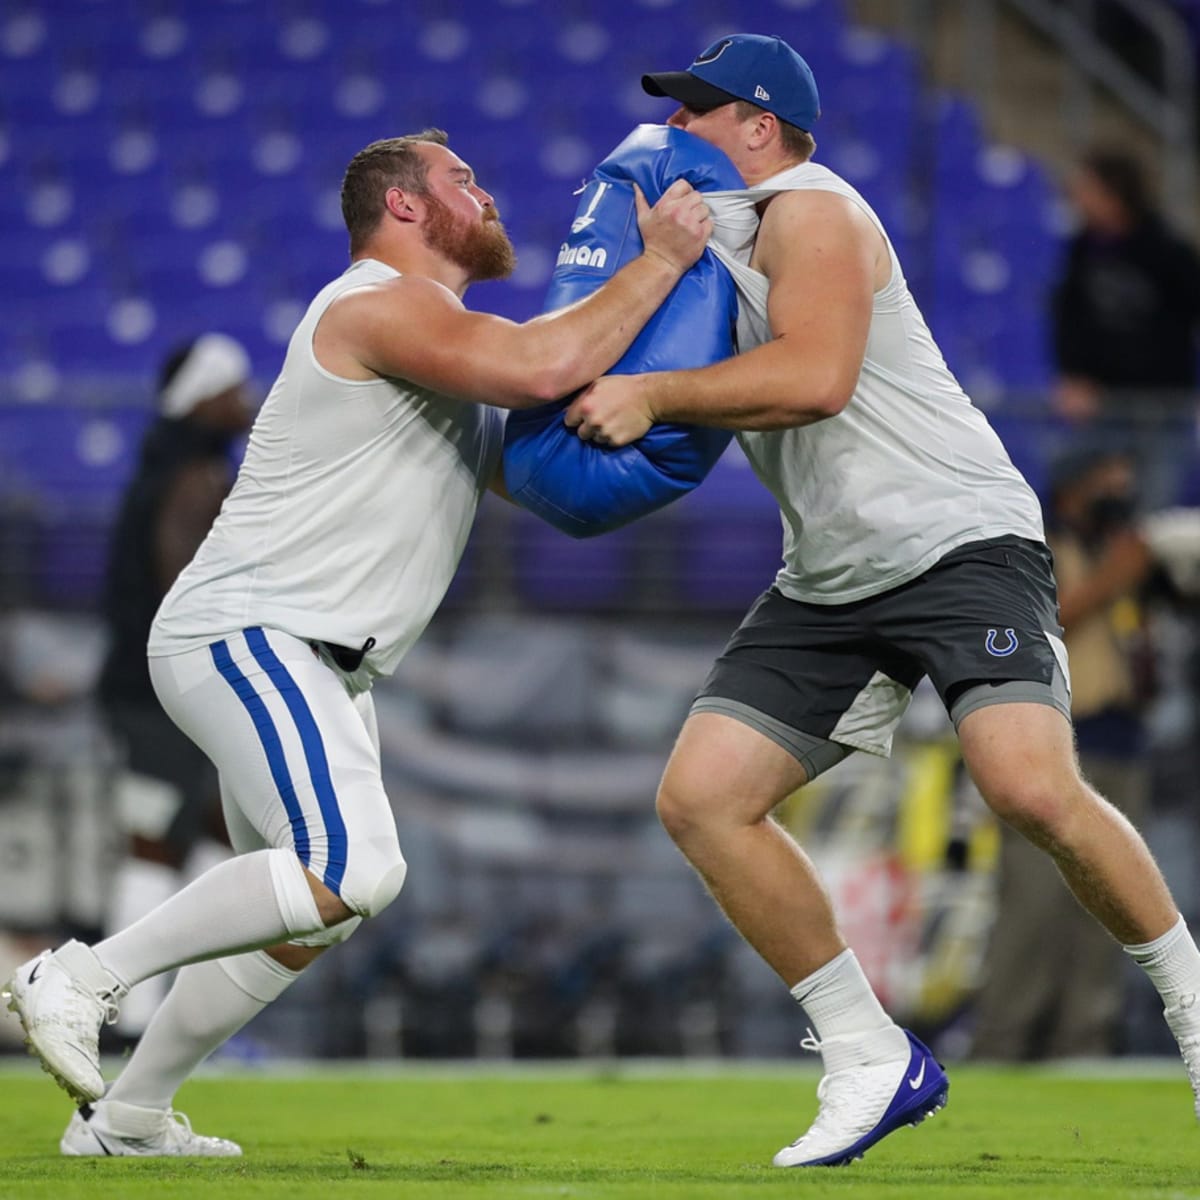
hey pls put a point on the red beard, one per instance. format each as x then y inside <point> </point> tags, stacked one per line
<point>483,250</point>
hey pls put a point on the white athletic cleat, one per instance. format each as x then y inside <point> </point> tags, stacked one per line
<point>62,999</point>
<point>111,1129</point>
<point>861,1105</point>
<point>1184,1022</point>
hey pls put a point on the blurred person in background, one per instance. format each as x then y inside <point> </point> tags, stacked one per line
<point>351,510</point>
<point>165,790</point>
<point>1053,981</point>
<point>912,548</point>
<point>1125,313</point>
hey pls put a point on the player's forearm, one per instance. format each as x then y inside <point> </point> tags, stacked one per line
<point>577,344</point>
<point>761,390</point>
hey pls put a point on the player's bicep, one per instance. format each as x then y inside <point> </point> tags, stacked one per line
<point>821,261</point>
<point>419,331</point>
<point>451,350</point>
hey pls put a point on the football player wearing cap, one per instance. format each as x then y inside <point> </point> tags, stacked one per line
<point>912,547</point>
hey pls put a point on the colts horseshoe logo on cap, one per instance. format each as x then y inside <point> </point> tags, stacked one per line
<point>715,53</point>
<point>1005,650</point>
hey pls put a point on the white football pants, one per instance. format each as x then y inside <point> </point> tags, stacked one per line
<point>298,758</point>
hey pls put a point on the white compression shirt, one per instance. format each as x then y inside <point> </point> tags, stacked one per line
<point>350,511</point>
<point>907,471</point>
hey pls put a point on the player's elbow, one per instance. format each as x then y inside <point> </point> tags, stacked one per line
<point>819,402</point>
<point>548,385</point>
<point>830,401</point>
<point>541,383</point>
<point>561,375</point>
<point>832,390</point>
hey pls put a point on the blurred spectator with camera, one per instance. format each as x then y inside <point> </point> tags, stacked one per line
<point>1125,313</point>
<point>1053,980</point>
<point>166,797</point>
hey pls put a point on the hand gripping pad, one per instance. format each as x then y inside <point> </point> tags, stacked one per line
<point>581,488</point>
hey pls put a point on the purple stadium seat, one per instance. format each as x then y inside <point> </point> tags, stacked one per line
<point>127,104</point>
<point>555,571</point>
<point>728,538</point>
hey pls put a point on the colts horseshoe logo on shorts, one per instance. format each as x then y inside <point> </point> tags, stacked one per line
<point>1001,651</point>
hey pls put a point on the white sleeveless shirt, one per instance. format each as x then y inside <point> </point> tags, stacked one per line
<point>906,472</point>
<point>350,511</point>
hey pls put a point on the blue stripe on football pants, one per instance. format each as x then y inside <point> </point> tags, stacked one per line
<point>268,735</point>
<point>314,755</point>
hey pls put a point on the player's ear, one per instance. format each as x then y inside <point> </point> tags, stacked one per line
<point>765,124</point>
<point>404,206</point>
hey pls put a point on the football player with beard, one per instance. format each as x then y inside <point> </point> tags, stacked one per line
<point>349,515</point>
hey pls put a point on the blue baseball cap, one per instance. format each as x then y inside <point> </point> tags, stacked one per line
<point>745,66</point>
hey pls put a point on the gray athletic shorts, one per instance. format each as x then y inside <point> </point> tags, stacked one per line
<point>822,680</point>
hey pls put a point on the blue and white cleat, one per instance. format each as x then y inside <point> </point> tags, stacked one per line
<point>862,1105</point>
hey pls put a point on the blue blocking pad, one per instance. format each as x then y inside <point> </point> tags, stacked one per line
<point>581,488</point>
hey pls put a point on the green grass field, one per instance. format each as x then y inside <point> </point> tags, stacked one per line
<point>625,1133</point>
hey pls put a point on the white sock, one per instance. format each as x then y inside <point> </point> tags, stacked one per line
<point>139,887</point>
<point>851,1025</point>
<point>140,1003</point>
<point>1172,962</point>
<point>205,855</point>
<point>209,1003</point>
<point>253,900</point>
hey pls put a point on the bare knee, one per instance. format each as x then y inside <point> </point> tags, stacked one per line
<point>723,777</point>
<point>677,810</point>
<point>1022,760</point>
<point>1042,810</point>
<point>691,811</point>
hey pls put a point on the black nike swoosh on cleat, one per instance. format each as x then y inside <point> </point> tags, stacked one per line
<point>86,1111</point>
<point>37,966</point>
<point>102,1144</point>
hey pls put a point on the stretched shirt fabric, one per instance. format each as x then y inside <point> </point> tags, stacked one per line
<point>580,487</point>
<point>349,514</point>
<point>906,472</point>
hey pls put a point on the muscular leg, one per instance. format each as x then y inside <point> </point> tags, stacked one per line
<point>720,786</point>
<point>1022,759</point>
<point>716,797</point>
<point>211,1001</point>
